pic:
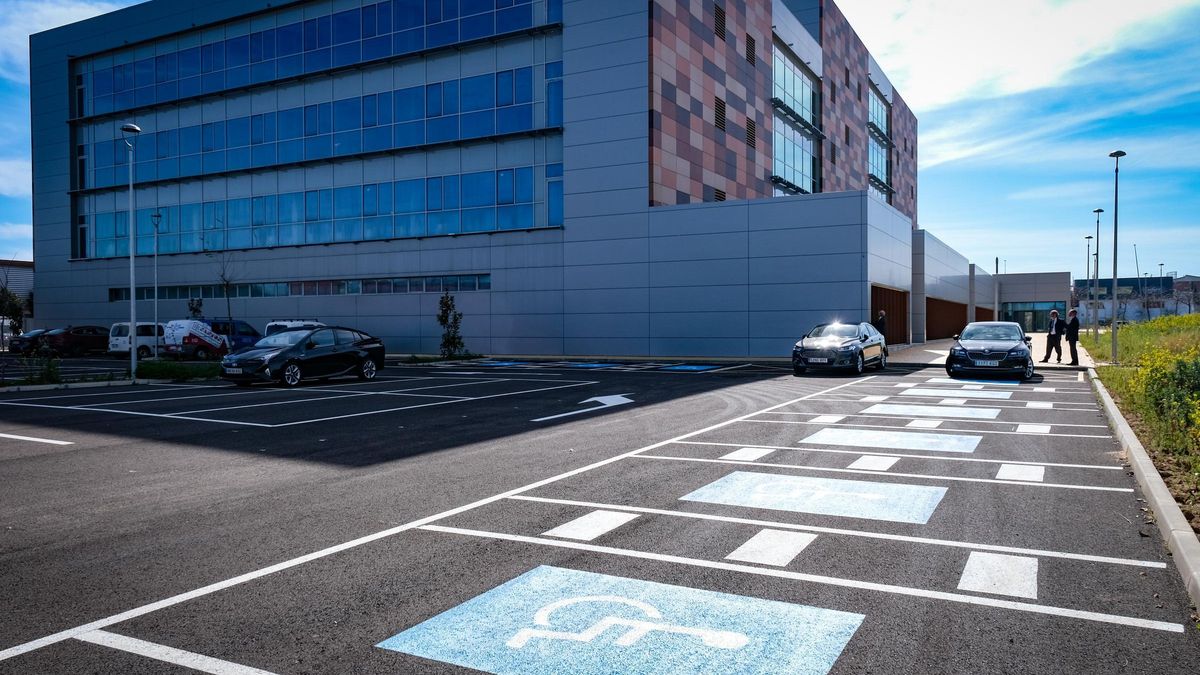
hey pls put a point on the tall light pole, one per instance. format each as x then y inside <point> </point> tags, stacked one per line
<point>1116,155</point>
<point>1087,274</point>
<point>129,132</point>
<point>155,218</point>
<point>996,293</point>
<point>1096,285</point>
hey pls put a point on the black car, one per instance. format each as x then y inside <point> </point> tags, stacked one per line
<point>26,342</point>
<point>294,355</point>
<point>998,347</point>
<point>840,345</point>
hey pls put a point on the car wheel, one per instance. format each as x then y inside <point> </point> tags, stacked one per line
<point>367,369</point>
<point>143,352</point>
<point>882,364</point>
<point>1028,374</point>
<point>292,374</point>
<point>950,373</point>
<point>798,371</point>
<point>201,354</point>
<point>858,364</point>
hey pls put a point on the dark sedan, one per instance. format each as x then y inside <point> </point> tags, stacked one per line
<point>294,355</point>
<point>998,347</point>
<point>76,340</point>
<point>26,342</point>
<point>840,345</point>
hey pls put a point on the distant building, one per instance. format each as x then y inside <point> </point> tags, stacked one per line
<point>17,276</point>
<point>1138,298</point>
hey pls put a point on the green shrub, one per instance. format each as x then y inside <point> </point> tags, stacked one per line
<point>178,372</point>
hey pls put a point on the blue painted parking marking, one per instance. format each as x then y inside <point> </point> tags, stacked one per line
<point>552,620</point>
<point>895,502</point>
<point>689,367</point>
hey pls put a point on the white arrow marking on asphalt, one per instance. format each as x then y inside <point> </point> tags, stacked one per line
<point>604,401</point>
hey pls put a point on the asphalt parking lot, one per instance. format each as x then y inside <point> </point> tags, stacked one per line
<point>555,519</point>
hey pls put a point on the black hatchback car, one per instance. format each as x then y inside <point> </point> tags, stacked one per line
<point>840,345</point>
<point>997,347</point>
<point>295,355</point>
<point>26,342</point>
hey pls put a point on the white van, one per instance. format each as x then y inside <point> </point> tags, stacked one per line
<point>118,339</point>
<point>279,325</point>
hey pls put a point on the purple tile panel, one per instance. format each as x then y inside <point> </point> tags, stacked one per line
<point>690,67</point>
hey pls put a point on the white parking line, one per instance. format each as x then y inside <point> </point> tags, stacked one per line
<point>772,547</point>
<point>827,580</point>
<point>874,462</point>
<point>204,664</point>
<point>924,476</point>
<point>1000,575</point>
<point>1021,472</point>
<point>924,424</point>
<point>1033,428</point>
<point>932,411</point>
<point>171,601</point>
<point>592,525</point>
<point>36,440</point>
<point>748,454</point>
<point>938,458</point>
<point>893,427</point>
<point>866,534</point>
<point>923,421</point>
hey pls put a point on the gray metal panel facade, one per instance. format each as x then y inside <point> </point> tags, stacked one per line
<point>1035,287</point>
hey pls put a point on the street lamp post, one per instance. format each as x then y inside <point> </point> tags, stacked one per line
<point>1116,155</point>
<point>155,218</point>
<point>1087,274</point>
<point>1096,278</point>
<point>129,132</point>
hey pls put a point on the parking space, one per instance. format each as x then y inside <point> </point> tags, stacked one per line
<point>900,522</point>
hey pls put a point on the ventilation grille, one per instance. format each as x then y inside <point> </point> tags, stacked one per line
<point>719,21</point>
<point>751,133</point>
<point>718,195</point>
<point>750,46</point>
<point>719,114</point>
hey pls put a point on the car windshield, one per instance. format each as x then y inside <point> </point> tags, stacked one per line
<point>842,330</point>
<point>57,331</point>
<point>33,333</point>
<point>285,338</point>
<point>1003,333</point>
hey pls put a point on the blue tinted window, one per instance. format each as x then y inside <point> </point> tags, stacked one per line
<point>450,97</point>
<point>554,203</point>
<point>554,103</point>
<point>514,118</point>
<point>410,196</point>
<point>237,51</point>
<point>238,212</point>
<point>291,123</point>
<point>102,82</point>
<point>347,202</point>
<point>408,14</point>
<point>189,62</point>
<point>440,34</point>
<point>524,85</point>
<point>433,100</point>
<point>477,26</point>
<point>514,18</point>
<point>442,129</point>
<point>478,124</point>
<point>479,189</point>
<point>411,225</point>
<point>554,70</point>
<point>553,170</point>
<point>370,112</point>
<point>317,233</point>
<point>379,227</point>
<point>450,192</point>
<point>289,39</point>
<point>348,230</point>
<point>264,210</point>
<point>346,26</point>
<point>291,207</point>
<point>478,93</point>
<point>144,73</point>
<point>409,104</point>
<point>409,134</point>
<point>469,7</point>
<point>525,184</point>
<point>443,222</point>
<point>347,114</point>
<point>433,194</point>
<point>504,88</point>
<point>213,135</point>
<point>237,130</point>
<point>504,186</point>
<point>478,220</point>
<point>166,67</point>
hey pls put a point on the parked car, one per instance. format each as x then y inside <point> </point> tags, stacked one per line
<point>840,345</point>
<point>118,339</point>
<point>292,356</point>
<point>75,340</point>
<point>207,338</point>
<point>26,342</point>
<point>998,347</point>
<point>277,325</point>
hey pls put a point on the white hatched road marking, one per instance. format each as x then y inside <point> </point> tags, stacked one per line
<point>936,458</point>
<point>748,454</point>
<point>932,411</point>
<point>1021,472</point>
<point>590,526</point>
<point>772,547</point>
<point>204,664</point>
<point>1033,428</point>
<point>1000,574</point>
<point>874,462</point>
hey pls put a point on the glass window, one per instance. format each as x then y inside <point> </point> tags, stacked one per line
<point>322,338</point>
<point>523,84</point>
<point>289,39</point>
<point>347,114</point>
<point>433,194</point>
<point>504,186</point>
<point>237,51</point>
<point>410,196</point>
<point>346,26</point>
<point>264,210</point>
<point>291,123</point>
<point>479,189</point>
<point>238,212</point>
<point>504,88</point>
<point>554,203</point>
<point>478,93</point>
<point>409,104</point>
<point>554,103</point>
<point>291,207</point>
<point>525,184</point>
<point>237,130</point>
<point>450,196</point>
<point>433,100</point>
<point>347,202</point>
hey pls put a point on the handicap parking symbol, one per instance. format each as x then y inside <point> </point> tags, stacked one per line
<point>554,620</point>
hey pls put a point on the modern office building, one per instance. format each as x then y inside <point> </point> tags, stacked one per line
<point>587,177</point>
<point>1138,299</point>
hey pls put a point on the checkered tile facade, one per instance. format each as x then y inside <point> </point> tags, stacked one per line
<point>690,68</point>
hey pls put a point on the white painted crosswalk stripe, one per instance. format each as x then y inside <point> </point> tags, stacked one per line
<point>1033,428</point>
<point>772,547</point>
<point>953,401</point>
<point>924,424</point>
<point>1045,405</point>
<point>950,380</point>
<point>1022,472</point>
<point>827,419</point>
<point>594,524</point>
<point>1000,574</point>
<point>873,399</point>
<point>873,463</point>
<point>748,454</point>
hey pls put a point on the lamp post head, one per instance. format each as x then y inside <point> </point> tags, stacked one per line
<point>1097,211</point>
<point>1089,237</point>
<point>156,218</point>
<point>1117,153</point>
<point>130,128</point>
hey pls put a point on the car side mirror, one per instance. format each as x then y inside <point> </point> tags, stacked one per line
<point>1028,339</point>
<point>862,338</point>
<point>310,345</point>
<point>956,336</point>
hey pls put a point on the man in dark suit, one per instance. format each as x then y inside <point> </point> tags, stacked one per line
<point>880,323</point>
<point>1054,336</point>
<point>1072,333</point>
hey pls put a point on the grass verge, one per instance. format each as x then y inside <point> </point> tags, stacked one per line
<point>178,372</point>
<point>1157,387</point>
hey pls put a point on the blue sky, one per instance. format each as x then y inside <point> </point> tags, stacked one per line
<point>1019,103</point>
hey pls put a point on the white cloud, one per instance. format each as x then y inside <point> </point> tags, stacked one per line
<point>16,177</point>
<point>16,231</point>
<point>941,51</point>
<point>20,18</point>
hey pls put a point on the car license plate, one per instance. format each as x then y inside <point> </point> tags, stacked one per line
<point>987,363</point>
<point>233,371</point>
<point>816,360</point>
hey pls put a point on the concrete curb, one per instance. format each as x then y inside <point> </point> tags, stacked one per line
<point>78,385</point>
<point>1181,540</point>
